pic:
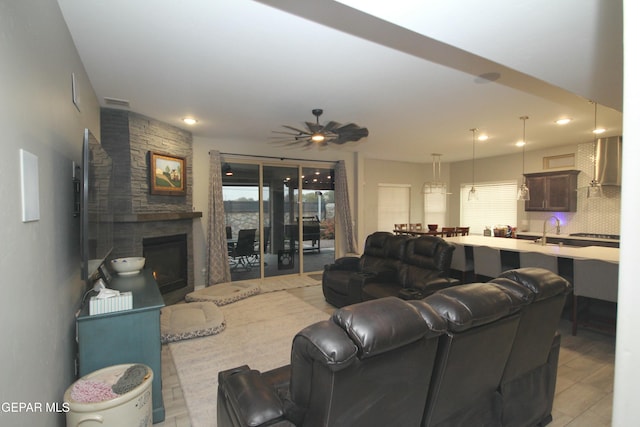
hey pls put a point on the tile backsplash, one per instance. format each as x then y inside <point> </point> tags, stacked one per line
<point>600,215</point>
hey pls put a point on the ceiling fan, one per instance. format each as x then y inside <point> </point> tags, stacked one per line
<point>322,135</point>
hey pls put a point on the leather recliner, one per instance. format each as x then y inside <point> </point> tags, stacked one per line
<point>491,360</point>
<point>424,266</point>
<point>342,281</point>
<point>528,382</point>
<point>482,324</point>
<point>370,364</point>
<point>390,264</point>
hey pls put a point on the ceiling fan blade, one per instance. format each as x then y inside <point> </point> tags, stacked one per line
<point>348,127</point>
<point>313,127</point>
<point>331,126</point>
<point>333,132</point>
<point>306,132</point>
<point>285,133</point>
<point>352,135</point>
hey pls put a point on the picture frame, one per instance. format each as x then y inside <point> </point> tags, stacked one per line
<point>167,174</point>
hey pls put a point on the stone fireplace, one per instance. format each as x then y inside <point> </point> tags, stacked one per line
<point>141,216</point>
<point>166,256</point>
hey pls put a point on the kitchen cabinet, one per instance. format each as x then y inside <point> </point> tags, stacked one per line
<point>552,191</point>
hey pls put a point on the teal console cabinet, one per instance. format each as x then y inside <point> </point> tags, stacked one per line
<point>130,336</point>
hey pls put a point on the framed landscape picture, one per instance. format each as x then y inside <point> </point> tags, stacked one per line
<point>167,174</point>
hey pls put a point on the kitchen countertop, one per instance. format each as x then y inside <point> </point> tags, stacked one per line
<point>565,236</point>
<point>521,245</point>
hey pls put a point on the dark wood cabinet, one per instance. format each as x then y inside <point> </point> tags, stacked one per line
<point>552,191</point>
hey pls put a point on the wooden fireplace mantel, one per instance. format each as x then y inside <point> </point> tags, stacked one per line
<point>156,216</point>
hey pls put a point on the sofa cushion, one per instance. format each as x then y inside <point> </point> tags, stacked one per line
<point>474,304</point>
<point>375,290</point>
<point>384,324</point>
<point>374,248</point>
<point>543,283</point>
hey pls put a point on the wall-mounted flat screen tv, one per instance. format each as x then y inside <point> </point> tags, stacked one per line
<point>96,208</point>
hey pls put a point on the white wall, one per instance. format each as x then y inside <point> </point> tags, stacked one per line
<point>627,365</point>
<point>391,172</point>
<point>40,260</point>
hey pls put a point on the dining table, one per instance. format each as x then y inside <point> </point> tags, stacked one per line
<point>419,232</point>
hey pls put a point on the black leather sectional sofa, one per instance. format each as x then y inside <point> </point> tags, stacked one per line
<point>480,354</point>
<point>391,265</point>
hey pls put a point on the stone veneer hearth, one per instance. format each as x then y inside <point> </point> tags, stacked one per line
<point>129,137</point>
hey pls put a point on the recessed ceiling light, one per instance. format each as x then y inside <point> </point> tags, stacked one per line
<point>599,130</point>
<point>563,121</point>
<point>520,143</point>
<point>483,137</point>
<point>190,120</point>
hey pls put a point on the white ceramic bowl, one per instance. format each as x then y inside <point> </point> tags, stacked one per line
<point>127,266</point>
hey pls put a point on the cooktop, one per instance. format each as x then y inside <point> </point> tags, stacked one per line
<point>597,235</point>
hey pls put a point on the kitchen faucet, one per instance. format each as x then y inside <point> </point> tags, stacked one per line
<point>544,229</point>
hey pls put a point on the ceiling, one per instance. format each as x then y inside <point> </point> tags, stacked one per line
<point>411,75</point>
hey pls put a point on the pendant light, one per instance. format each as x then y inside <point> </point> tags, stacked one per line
<point>523,191</point>
<point>436,186</point>
<point>595,189</point>
<point>473,194</point>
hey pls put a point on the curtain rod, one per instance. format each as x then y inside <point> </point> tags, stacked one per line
<point>277,158</point>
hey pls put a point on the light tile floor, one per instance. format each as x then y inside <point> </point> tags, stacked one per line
<point>584,389</point>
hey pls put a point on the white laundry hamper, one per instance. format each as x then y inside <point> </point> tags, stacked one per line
<point>131,409</point>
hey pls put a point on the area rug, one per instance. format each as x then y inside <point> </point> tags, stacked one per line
<point>259,333</point>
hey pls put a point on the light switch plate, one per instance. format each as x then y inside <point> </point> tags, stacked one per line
<point>30,186</point>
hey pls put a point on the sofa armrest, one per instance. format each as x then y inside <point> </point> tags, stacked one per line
<point>350,263</point>
<point>248,399</point>
<point>436,284</point>
<point>380,275</point>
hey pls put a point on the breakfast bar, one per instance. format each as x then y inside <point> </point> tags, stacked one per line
<point>559,250</point>
<point>593,270</point>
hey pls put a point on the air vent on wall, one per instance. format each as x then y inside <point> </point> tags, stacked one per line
<point>116,102</point>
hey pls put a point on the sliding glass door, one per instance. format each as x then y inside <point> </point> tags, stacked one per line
<point>280,211</point>
<point>288,209</point>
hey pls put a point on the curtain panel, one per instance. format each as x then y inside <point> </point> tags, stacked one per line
<point>344,208</point>
<point>218,271</point>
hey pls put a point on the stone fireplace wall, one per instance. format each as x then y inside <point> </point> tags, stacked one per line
<point>129,137</point>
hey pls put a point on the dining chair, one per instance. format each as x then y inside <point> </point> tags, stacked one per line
<point>400,228</point>
<point>593,278</point>
<point>462,231</point>
<point>244,249</point>
<point>449,232</point>
<point>230,242</point>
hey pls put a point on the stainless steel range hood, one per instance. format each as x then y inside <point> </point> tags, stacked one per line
<point>609,160</point>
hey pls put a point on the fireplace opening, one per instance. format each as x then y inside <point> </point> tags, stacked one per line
<point>166,256</point>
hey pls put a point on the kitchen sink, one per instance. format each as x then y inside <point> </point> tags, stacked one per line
<point>539,243</point>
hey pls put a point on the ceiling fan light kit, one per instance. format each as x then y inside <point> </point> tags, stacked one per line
<point>320,135</point>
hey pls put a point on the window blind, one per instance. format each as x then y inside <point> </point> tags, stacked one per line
<point>496,205</point>
<point>435,208</point>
